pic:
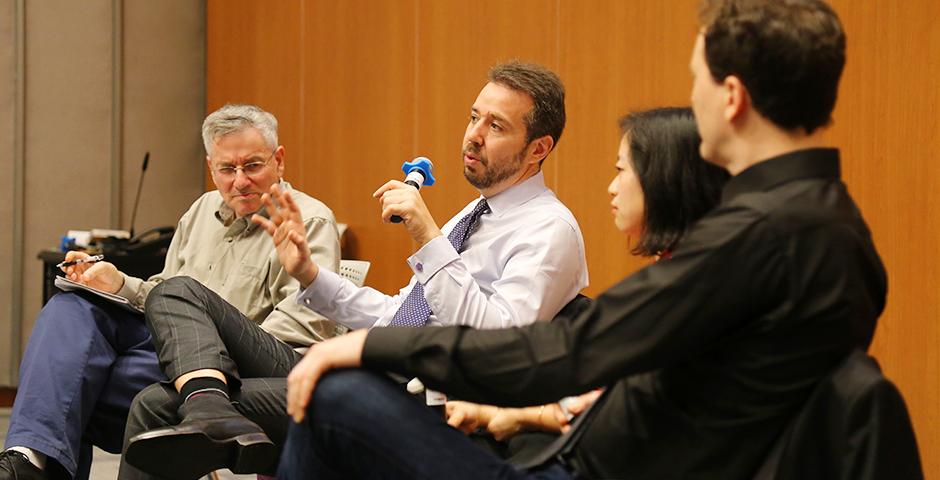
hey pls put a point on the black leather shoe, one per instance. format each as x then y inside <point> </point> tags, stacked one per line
<point>202,444</point>
<point>15,466</point>
<point>193,449</point>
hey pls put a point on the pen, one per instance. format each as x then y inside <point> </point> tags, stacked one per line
<point>91,259</point>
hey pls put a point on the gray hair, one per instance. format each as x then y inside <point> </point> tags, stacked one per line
<point>233,118</point>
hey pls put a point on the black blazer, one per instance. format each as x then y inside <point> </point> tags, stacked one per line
<point>854,426</point>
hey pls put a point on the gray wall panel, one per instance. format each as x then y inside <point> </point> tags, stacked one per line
<point>68,128</point>
<point>7,115</point>
<point>103,82</point>
<point>164,78</point>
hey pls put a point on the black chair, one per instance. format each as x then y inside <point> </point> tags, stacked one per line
<point>854,426</point>
<point>577,305</point>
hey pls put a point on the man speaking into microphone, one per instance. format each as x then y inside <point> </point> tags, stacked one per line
<point>510,257</point>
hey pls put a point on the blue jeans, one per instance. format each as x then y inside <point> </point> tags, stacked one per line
<point>362,425</point>
<point>84,363</point>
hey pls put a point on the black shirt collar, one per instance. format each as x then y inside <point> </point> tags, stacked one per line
<point>800,164</point>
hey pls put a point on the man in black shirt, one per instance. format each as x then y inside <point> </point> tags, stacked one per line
<point>705,355</point>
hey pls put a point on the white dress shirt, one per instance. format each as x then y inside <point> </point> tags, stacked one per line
<point>523,262</point>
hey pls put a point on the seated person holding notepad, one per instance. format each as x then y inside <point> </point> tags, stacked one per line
<point>87,358</point>
<point>66,285</point>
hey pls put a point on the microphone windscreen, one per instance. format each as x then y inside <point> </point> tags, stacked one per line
<point>424,165</point>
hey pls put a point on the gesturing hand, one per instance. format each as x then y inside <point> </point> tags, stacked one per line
<point>286,228</point>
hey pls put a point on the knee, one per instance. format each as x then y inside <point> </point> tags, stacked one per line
<point>338,387</point>
<point>65,302</point>
<point>69,314</point>
<point>174,288</point>
<point>347,392</point>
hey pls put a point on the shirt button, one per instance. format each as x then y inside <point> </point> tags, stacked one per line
<point>419,267</point>
<point>307,301</point>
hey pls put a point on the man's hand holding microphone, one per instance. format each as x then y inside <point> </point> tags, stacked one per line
<point>401,201</point>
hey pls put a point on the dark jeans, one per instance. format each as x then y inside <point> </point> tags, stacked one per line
<point>85,361</point>
<point>362,425</point>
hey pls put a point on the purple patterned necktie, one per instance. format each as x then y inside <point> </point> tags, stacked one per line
<point>414,311</point>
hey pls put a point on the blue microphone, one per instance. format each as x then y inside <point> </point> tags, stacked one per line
<point>417,174</point>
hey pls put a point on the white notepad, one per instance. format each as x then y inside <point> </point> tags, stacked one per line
<point>67,285</point>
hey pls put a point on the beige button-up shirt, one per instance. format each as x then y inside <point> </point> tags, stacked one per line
<point>236,259</point>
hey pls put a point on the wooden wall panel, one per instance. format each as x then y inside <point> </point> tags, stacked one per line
<point>255,57</point>
<point>887,124</point>
<point>361,86</point>
<point>608,74</point>
<point>458,43</point>
<point>359,103</point>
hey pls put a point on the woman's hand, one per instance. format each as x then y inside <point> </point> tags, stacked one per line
<point>506,423</point>
<point>467,416</point>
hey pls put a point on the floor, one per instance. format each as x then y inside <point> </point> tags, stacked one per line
<point>105,465</point>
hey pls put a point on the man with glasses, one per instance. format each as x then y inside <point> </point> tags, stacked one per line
<point>87,359</point>
<point>494,264</point>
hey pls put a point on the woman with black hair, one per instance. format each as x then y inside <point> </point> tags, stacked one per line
<point>662,186</point>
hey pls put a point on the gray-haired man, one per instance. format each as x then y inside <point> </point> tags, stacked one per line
<point>87,359</point>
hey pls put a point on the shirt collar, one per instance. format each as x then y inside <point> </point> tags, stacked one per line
<point>516,194</point>
<point>797,165</point>
<point>226,216</point>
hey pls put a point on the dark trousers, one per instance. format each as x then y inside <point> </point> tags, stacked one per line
<point>362,425</point>
<point>85,361</point>
<point>194,328</point>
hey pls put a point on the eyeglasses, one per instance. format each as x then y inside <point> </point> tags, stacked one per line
<point>250,169</point>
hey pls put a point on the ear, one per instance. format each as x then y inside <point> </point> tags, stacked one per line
<point>215,180</point>
<point>279,159</point>
<point>737,100</point>
<point>540,148</point>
